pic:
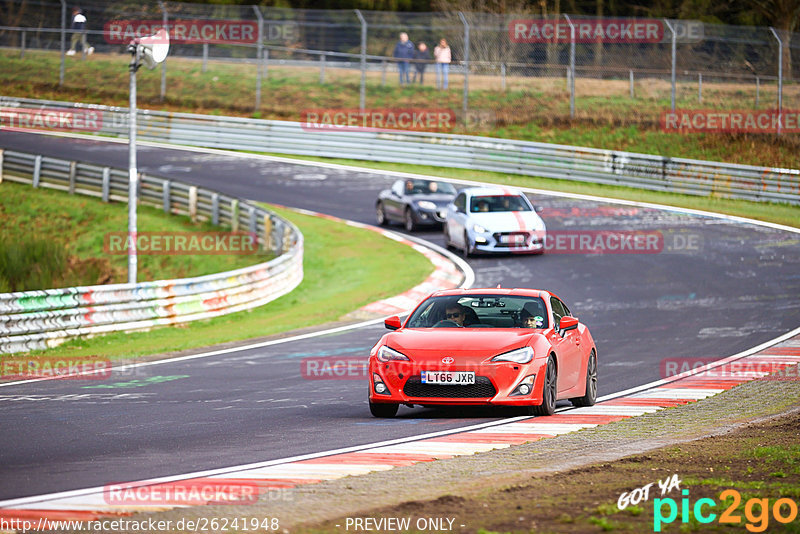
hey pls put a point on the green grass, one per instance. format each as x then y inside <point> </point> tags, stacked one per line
<point>762,211</point>
<point>75,226</point>
<point>339,278</point>
<point>534,109</point>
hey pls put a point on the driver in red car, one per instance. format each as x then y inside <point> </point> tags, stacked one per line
<point>455,313</point>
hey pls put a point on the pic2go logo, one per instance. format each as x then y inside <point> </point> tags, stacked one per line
<point>756,511</point>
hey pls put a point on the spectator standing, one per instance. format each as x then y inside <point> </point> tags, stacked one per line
<point>404,51</point>
<point>443,58</point>
<point>79,33</point>
<point>421,58</point>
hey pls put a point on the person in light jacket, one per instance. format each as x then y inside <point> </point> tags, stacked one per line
<point>443,57</point>
<point>404,51</point>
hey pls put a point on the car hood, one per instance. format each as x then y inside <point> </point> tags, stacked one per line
<point>508,221</point>
<point>438,342</point>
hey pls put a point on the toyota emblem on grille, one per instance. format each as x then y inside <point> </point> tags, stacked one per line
<point>447,360</point>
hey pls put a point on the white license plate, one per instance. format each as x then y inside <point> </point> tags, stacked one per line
<point>516,238</point>
<point>455,378</point>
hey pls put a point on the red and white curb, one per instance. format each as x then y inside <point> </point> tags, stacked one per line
<point>231,483</point>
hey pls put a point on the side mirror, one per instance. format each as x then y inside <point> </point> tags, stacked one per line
<point>538,209</point>
<point>568,323</point>
<point>392,323</point>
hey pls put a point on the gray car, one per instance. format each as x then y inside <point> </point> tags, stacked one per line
<point>414,203</point>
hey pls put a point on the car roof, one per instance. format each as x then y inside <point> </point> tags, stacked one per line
<point>491,191</point>
<point>517,291</point>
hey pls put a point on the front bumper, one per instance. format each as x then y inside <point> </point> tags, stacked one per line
<point>429,217</point>
<point>494,384</point>
<point>515,242</point>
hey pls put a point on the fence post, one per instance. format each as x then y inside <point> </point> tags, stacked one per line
<point>37,170</point>
<point>215,209</point>
<point>674,52</point>
<point>758,89</point>
<point>22,45</point>
<point>503,76</point>
<point>385,65</point>
<point>106,183</point>
<point>630,75</point>
<point>780,77</point>
<point>259,56</point>
<point>321,69</point>
<point>205,57</point>
<point>166,196</point>
<point>362,96</point>
<point>265,62</point>
<point>164,22</point>
<point>63,41</point>
<point>73,167</point>
<point>700,87</point>
<point>1,165</point>
<point>571,67</point>
<point>465,104</point>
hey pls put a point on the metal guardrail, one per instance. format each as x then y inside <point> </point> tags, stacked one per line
<point>644,171</point>
<point>40,319</point>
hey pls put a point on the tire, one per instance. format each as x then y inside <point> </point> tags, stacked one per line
<point>408,221</point>
<point>549,391</point>
<point>380,214</point>
<point>383,410</point>
<point>590,397</point>
<point>467,247</point>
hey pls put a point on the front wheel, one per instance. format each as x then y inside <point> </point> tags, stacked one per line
<point>590,397</point>
<point>468,250</point>
<point>409,221</point>
<point>383,410</point>
<point>380,214</point>
<point>549,392</point>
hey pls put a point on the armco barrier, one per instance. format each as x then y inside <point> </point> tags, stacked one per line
<point>40,319</point>
<point>643,171</point>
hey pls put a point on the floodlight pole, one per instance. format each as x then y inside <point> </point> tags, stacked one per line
<point>133,174</point>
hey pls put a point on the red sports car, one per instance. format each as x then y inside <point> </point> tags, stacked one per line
<point>478,347</point>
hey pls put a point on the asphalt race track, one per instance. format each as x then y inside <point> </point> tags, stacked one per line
<point>716,288</point>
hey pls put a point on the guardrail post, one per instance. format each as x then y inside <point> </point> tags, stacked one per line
<point>215,209</point>
<point>73,167</point>
<point>37,170</point>
<point>267,237</point>
<point>362,94</point>
<point>321,69</point>
<point>22,45</point>
<point>106,183</point>
<point>630,75</point>
<point>234,215</point>
<point>252,222</point>
<point>166,201</point>
<point>205,57</point>
<point>286,241</point>
<point>571,67</point>
<point>465,104</point>
<point>193,203</point>
<point>165,22</point>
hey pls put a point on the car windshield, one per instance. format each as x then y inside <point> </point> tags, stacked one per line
<point>428,187</point>
<point>492,203</point>
<point>480,311</point>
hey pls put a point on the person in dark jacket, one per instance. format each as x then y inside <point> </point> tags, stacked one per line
<point>421,58</point>
<point>404,51</point>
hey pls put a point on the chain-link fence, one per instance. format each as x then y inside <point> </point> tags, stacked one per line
<point>630,70</point>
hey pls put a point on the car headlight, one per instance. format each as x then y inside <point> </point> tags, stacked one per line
<point>426,205</point>
<point>479,229</point>
<point>523,355</point>
<point>385,354</point>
